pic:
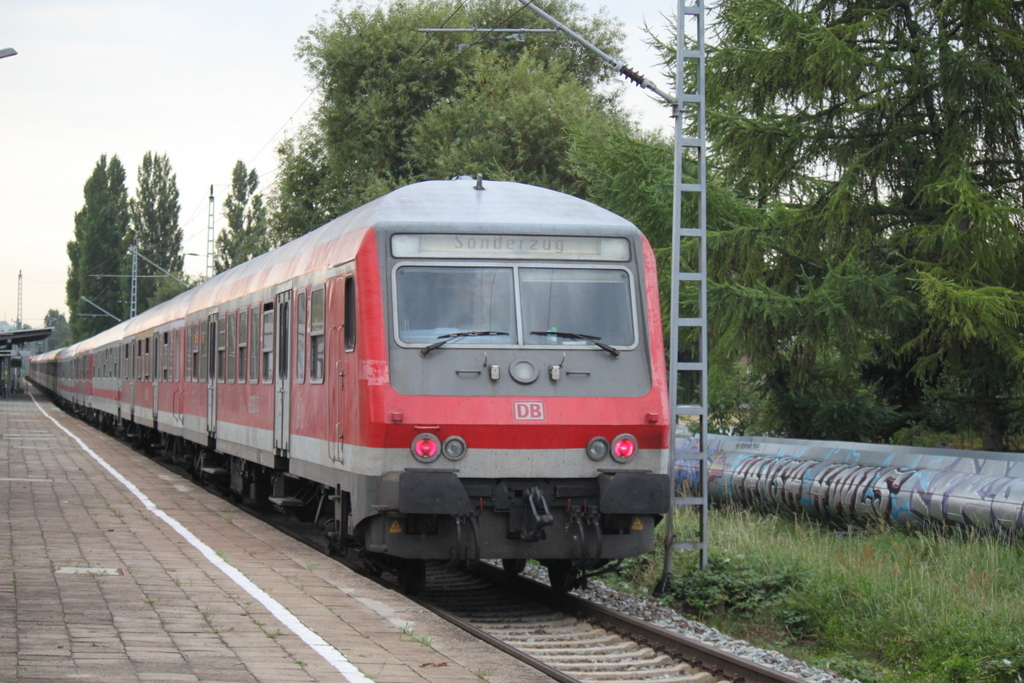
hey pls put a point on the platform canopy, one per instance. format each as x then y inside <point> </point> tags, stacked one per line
<point>18,337</point>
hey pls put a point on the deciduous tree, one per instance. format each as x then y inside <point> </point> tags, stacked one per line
<point>246,233</point>
<point>399,105</point>
<point>99,248</point>
<point>61,330</point>
<point>155,211</point>
<point>882,147</point>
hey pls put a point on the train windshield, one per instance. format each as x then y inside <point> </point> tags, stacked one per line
<point>567,306</point>
<point>579,303</point>
<point>434,301</point>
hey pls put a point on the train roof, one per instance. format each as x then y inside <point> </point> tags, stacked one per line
<point>499,206</point>
<point>442,205</point>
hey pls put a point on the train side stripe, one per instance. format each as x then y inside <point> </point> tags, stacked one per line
<point>279,611</point>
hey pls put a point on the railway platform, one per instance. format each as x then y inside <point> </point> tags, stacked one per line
<point>116,570</point>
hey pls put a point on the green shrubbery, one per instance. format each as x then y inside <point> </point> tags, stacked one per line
<point>881,604</point>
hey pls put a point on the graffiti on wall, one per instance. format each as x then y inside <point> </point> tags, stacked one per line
<point>861,482</point>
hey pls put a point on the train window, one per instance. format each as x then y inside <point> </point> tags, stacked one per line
<point>138,360</point>
<point>243,344</point>
<point>268,342</point>
<point>300,338</point>
<point>188,352</point>
<point>316,335</point>
<point>175,345</point>
<point>254,344</point>
<point>221,346</point>
<point>350,313</point>
<point>203,360</point>
<point>193,350</point>
<point>231,348</point>
<point>588,301</point>
<point>433,301</point>
<point>211,339</point>
<point>283,320</point>
<point>166,357</point>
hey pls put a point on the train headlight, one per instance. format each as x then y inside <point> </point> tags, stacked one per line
<point>624,447</point>
<point>523,371</point>
<point>426,447</point>
<point>454,447</point>
<point>598,448</point>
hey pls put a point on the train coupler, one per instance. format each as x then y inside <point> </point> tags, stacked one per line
<point>537,515</point>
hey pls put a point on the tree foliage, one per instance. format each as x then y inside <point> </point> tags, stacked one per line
<point>155,212</point>
<point>399,105</point>
<point>881,145</point>
<point>246,233</point>
<point>99,248</point>
<point>61,330</point>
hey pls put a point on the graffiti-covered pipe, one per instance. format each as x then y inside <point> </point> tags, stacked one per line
<point>858,482</point>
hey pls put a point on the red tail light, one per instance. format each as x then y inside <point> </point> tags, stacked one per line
<point>624,447</point>
<point>426,447</point>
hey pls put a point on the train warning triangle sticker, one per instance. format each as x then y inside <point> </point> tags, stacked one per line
<point>396,528</point>
<point>637,524</point>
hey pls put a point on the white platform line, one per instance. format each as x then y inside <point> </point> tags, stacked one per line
<point>280,612</point>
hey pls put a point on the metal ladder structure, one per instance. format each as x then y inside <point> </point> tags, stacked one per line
<point>688,347</point>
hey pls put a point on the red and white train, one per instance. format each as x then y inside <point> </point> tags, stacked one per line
<point>456,370</point>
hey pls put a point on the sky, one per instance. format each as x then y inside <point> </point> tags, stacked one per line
<point>206,82</point>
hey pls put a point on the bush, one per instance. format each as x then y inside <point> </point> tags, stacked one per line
<point>733,585</point>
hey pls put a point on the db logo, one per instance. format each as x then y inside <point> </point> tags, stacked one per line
<point>528,410</point>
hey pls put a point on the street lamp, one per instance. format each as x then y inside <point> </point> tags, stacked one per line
<point>8,52</point>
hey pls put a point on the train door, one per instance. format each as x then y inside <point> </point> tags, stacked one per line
<point>333,368</point>
<point>282,383</point>
<point>157,364</point>
<point>179,355</point>
<point>340,341</point>
<point>132,377</point>
<point>211,375</point>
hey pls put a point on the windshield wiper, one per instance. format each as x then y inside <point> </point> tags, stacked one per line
<point>583,337</point>
<point>445,338</point>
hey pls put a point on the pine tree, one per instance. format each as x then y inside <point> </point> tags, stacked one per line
<point>882,146</point>
<point>155,211</point>
<point>246,234</point>
<point>102,234</point>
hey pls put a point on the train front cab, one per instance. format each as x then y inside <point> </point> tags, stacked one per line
<point>526,415</point>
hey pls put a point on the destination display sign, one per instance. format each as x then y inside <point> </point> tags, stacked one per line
<point>542,247</point>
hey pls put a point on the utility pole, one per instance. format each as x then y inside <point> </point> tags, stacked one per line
<point>17,323</point>
<point>209,239</point>
<point>133,303</point>
<point>133,306</point>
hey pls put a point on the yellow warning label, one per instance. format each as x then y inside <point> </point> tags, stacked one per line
<point>396,528</point>
<point>637,524</point>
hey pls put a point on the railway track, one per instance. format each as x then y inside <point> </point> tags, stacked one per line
<point>575,639</point>
<point>570,639</point>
